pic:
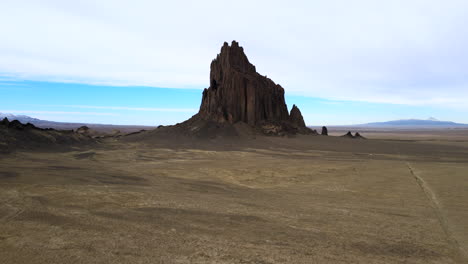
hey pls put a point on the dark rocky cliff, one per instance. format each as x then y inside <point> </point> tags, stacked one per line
<point>238,93</point>
<point>238,96</point>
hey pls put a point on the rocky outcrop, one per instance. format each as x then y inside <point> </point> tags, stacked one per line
<point>355,136</point>
<point>4,122</point>
<point>348,135</point>
<point>16,135</point>
<point>237,93</point>
<point>296,118</point>
<point>324,131</point>
<point>17,125</point>
<point>82,130</point>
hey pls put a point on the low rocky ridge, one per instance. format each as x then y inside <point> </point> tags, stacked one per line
<point>355,136</point>
<point>348,135</point>
<point>87,131</point>
<point>16,135</point>
<point>240,101</point>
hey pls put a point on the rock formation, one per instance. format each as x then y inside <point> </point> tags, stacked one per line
<point>15,124</point>
<point>82,130</point>
<point>296,118</point>
<point>348,135</point>
<point>324,131</point>
<point>357,135</point>
<point>237,93</point>
<point>15,135</point>
<point>5,122</point>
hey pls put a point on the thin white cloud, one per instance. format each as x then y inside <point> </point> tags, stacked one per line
<point>28,112</point>
<point>149,109</point>
<point>406,52</point>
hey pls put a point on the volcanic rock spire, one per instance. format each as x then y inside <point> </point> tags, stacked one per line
<point>296,117</point>
<point>238,93</point>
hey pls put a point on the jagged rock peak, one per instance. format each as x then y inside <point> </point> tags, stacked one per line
<point>296,117</point>
<point>240,98</point>
<point>231,57</point>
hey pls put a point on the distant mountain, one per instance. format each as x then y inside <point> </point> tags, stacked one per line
<point>431,122</point>
<point>22,118</point>
<point>68,126</point>
<point>39,122</point>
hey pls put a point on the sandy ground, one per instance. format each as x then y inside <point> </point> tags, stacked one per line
<point>309,199</point>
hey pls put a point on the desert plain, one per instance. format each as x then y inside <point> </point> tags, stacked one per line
<point>395,197</point>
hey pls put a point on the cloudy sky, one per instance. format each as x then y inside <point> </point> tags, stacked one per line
<point>341,61</point>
